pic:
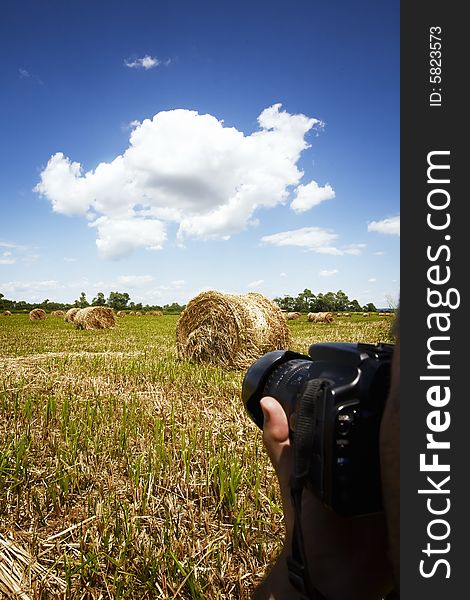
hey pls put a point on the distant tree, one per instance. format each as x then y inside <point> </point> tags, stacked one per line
<point>354,306</point>
<point>118,300</point>
<point>286,303</point>
<point>1,300</point>
<point>174,307</point>
<point>82,302</point>
<point>369,307</point>
<point>99,300</point>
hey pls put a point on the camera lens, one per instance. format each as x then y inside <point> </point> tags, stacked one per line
<point>280,374</point>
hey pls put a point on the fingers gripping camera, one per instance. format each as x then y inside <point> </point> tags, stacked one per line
<point>336,396</point>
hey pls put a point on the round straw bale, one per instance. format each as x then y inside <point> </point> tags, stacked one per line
<point>155,313</point>
<point>37,314</point>
<point>6,313</point>
<point>57,313</point>
<point>121,313</point>
<point>95,317</point>
<point>291,316</point>
<point>70,315</point>
<point>320,317</point>
<point>230,330</point>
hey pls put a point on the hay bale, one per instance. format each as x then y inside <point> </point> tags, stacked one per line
<point>57,313</point>
<point>155,313</point>
<point>291,316</point>
<point>70,315</point>
<point>320,317</point>
<point>37,314</point>
<point>95,317</point>
<point>365,314</point>
<point>230,330</point>
<point>121,313</point>
<point>6,313</point>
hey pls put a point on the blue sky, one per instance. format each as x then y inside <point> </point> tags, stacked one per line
<point>165,148</point>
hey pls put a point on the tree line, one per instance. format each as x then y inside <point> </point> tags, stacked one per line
<point>307,301</point>
<point>116,300</point>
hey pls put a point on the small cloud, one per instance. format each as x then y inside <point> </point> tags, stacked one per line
<point>354,249</point>
<point>147,62</point>
<point>389,226</point>
<point>70,259</point>
<point>256,284</point>
<point>372,280</point>
<point>379,253</point>
<point>310,195</point>
<point>7,258</point>
<point>178,283</point>
<point>23,74</point>
<point>282,274</point>
<point>326,273</point>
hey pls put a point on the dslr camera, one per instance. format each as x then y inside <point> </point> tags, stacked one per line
<point>334,400</point>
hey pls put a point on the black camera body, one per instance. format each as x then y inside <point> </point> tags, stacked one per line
<point>343,461</point>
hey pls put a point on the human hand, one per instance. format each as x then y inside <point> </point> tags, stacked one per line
<point>347,556</point>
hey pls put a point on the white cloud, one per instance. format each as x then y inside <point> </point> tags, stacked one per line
<point>185,168</point>
<point>310,195</point>
<point>379,253</point>
<point>326,273</point>
<point>23,74</point>
<point>390,226</point>
<point>282,274</point>
<point>118,237</point>
<point>256,284</point>
<point>312,238</point>
<point>372,280</point>
<point>7,258</point>
<point>146,62</point>
<point>354,249</point>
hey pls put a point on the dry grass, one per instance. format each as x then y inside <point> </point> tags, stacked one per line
<point>229,330</point>
<point>127,473</point>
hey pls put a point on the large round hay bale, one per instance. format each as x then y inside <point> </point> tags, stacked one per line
<point>95,317</point>
<point>320,317</point>
<point>57,313</point>
<point>230,330</point>
<point>121,313</point>
<point>6,313</point>
<point>70,315</point>
<point>37,314</point>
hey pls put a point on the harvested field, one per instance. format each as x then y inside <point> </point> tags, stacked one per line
<point>126,473</point>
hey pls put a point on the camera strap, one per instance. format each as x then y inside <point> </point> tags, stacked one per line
<point>302,444</point>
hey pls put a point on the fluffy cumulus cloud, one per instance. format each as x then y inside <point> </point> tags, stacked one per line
<point>189,169</point>
<point>328,273</point>
<point>310,195</point>
<point>390,226</point>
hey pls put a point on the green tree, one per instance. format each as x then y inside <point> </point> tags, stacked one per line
<point>355,306</point>
<point>99,300</point>
<point>369,307</point>
<point>118,300</point>
<point>82,302</point>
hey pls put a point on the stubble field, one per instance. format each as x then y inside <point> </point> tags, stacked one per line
<point>127,473</point>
